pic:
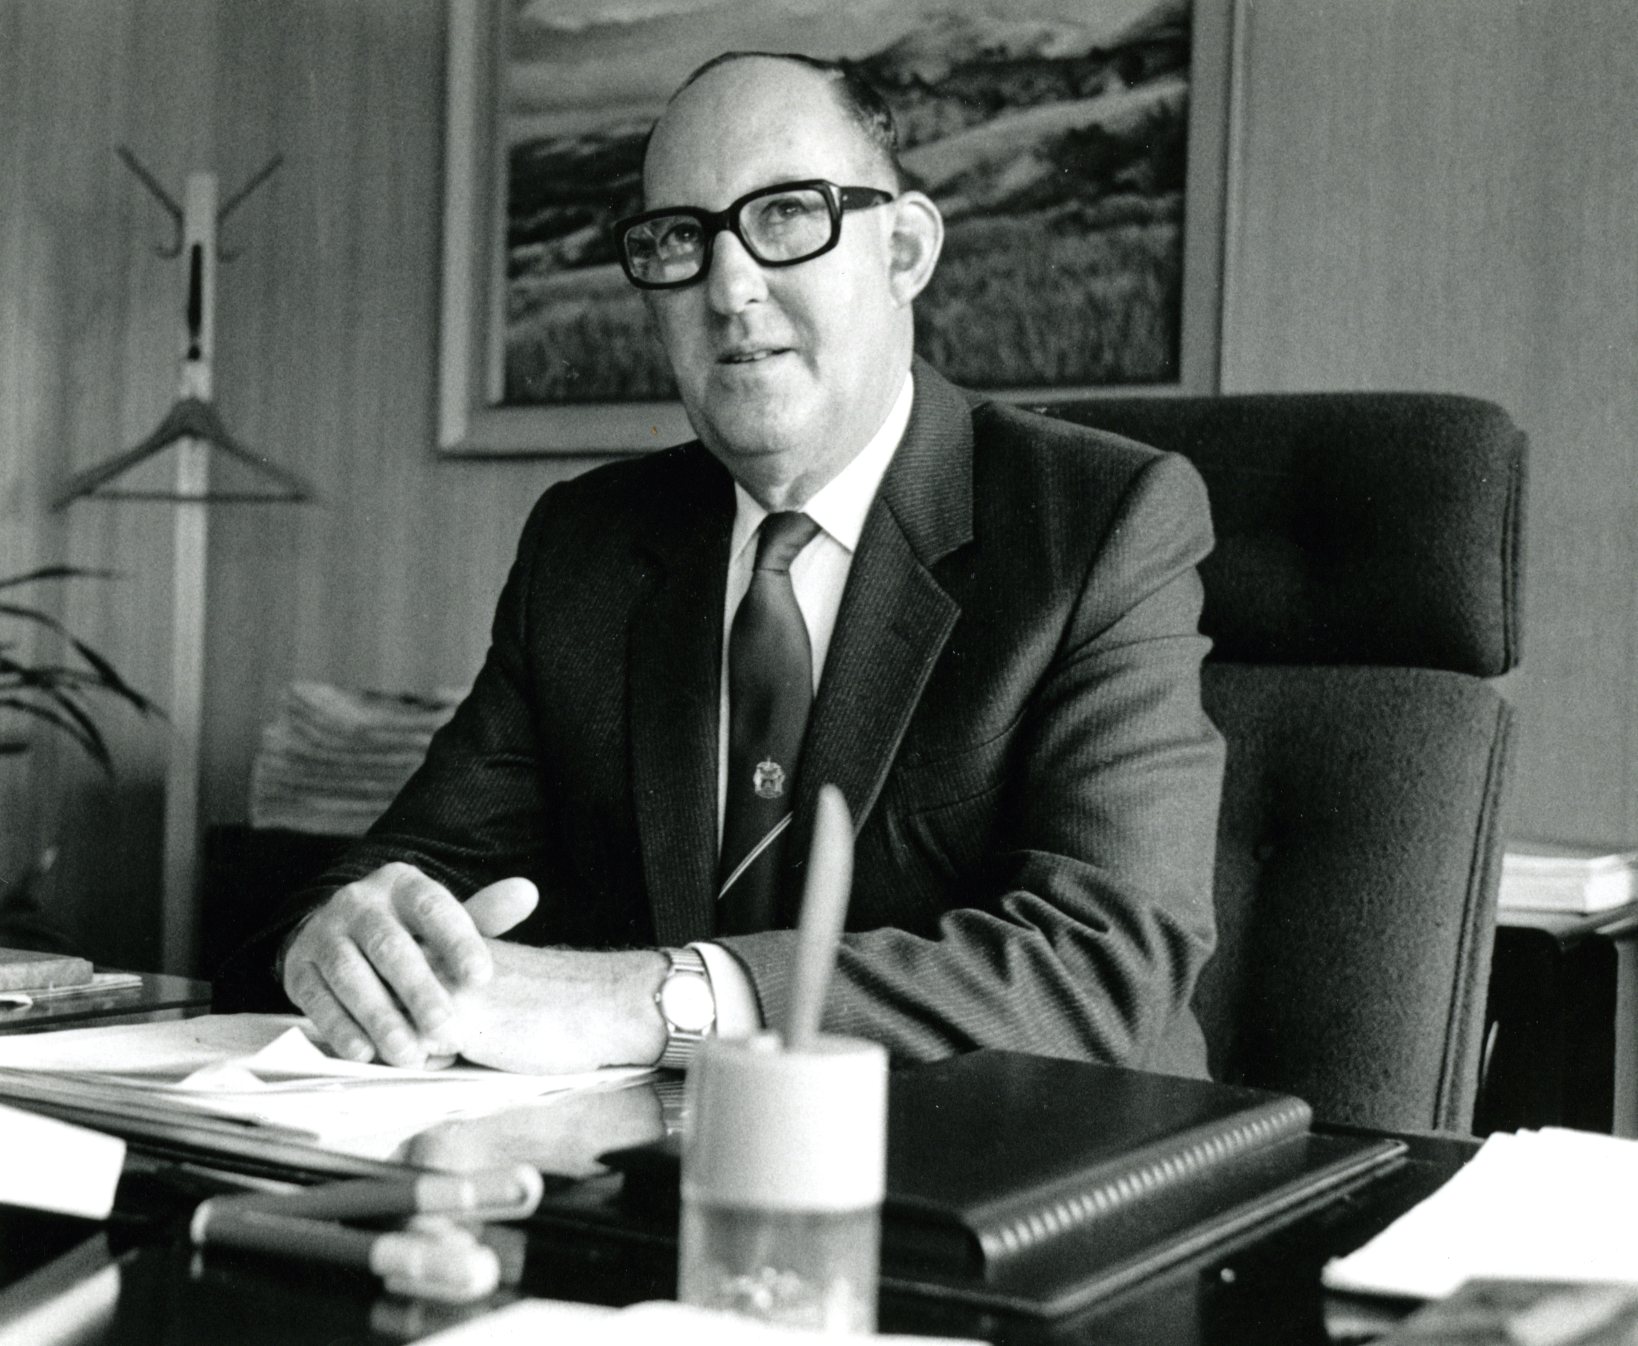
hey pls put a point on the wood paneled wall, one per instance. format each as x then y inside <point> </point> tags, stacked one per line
<point>326,345</point>
<point>1445,196</point>
<point>1425,196</point>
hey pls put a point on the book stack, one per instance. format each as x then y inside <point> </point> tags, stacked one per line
<point>332,758</point>
<point>1580,880</point>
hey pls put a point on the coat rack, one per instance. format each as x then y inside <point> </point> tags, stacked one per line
<point>195,430</point>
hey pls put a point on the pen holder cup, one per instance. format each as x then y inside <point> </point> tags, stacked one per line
<point>784,1159</point>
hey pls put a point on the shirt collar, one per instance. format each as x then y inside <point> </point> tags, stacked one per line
<point>841,504</point>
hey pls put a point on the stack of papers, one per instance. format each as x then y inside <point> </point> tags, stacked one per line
<point>1549,1205</point>
<point>1524,1313</point>
<point>257,1076</point>
<point>332,759</point>
<point>1544,876</point>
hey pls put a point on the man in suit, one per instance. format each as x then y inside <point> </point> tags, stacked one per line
<point>996,659</point>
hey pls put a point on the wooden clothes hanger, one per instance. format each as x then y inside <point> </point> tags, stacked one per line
<point>189,418</point>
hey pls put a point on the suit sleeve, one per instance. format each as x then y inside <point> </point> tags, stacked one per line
<point>1093,912</point>
<point>471,813</point>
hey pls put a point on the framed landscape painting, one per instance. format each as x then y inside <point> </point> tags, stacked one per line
<point>1074,147</point>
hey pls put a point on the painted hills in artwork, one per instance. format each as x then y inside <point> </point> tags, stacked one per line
<point>1055,147</point>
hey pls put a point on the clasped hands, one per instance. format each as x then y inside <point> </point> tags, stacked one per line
<point>395,967</point>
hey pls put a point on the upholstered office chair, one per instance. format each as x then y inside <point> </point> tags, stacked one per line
<point>1365,582</point>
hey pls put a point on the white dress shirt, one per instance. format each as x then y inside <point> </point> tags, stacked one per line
<point>818,576</point>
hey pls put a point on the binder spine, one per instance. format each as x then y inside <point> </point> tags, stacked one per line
<point>1142,1180</point>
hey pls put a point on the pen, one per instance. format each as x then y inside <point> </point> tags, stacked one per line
<point>824,908</point>
<point>448,1265</point>
<point>488,1194</point>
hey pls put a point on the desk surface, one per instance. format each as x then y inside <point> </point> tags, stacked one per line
<point>137,1279</point>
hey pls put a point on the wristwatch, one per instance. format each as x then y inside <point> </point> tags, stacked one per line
<point>688,1006</point>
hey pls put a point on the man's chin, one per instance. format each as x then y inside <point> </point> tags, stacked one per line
<point>751,428</point>
<point>748,445</point>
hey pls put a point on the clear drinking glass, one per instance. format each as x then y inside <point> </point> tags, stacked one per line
<point>782,1180</point>
<point>798,1268</point>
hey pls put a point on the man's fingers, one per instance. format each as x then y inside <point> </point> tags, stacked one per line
<point>353,981</point>
<point>402,964</point>
<point>496,909</point>
<point>307,990</point>
<point>374,968</point>
<point>442,925</point>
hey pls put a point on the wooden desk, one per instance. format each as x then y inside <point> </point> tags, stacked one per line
<point>159,996</point>
<point>1262,1291</point>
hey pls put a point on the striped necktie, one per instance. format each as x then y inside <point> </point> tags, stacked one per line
<point>770,691</point>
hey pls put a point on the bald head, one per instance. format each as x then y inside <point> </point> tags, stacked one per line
<point>806,88</point>
<point>857,98</point>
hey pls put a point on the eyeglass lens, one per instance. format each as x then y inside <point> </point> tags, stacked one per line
<point>782,225</point>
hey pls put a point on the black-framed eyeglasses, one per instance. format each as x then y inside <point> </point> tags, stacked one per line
<point>781,225</point>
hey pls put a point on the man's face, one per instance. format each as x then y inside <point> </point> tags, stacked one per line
<point>785,371</point>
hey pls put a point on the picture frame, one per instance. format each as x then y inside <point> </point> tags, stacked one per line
<point>474,418</point>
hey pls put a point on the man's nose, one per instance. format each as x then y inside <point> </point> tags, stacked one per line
<point>735,278</point>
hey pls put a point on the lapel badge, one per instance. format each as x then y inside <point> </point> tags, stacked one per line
<point>768,780</point>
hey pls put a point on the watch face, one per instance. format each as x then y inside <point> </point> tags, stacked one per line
<point>687,1002</point>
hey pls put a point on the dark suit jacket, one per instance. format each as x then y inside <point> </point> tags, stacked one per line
<point>1010,705</point>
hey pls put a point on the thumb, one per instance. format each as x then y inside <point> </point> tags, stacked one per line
<point>500,906</point>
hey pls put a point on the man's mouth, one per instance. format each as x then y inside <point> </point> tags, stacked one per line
<point>749,356</point>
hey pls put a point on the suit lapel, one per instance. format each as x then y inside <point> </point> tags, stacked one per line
<point>674,673</point>
<point>895,616</point>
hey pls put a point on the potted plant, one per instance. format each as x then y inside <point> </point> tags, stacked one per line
<point>57,690</point>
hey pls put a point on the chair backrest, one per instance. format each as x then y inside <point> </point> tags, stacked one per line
<point>1364,584</point>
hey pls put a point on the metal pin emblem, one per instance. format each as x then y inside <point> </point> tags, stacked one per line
<point>768,780</point>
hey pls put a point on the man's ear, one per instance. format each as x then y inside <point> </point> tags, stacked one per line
<point>918,237</point>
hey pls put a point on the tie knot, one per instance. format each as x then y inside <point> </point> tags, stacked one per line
<point>782,536</point>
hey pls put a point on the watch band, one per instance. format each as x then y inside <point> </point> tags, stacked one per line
<point>672,1093</point>
<point>682,1040</point>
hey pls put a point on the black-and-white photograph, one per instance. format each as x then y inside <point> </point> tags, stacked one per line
<point>741,671</point>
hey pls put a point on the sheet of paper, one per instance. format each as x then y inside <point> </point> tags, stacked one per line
<point>50,1165</point>
<point>270,1071</point>
<point>1550,1205</point>
<point>529,1322</point>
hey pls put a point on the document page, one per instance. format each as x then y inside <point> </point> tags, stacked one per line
<point>1549,1205</point>
<point>50,1165</point>
<point>530,1322</point>
<point>265,1071</point>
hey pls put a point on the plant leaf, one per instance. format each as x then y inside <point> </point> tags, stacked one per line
<point>32,615</point>
<point>62,696</point>
<point>110,678</point>
<point>92,743</point>
<point>104,675</point>
<point>55,693</point>
<point>58,572</point>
